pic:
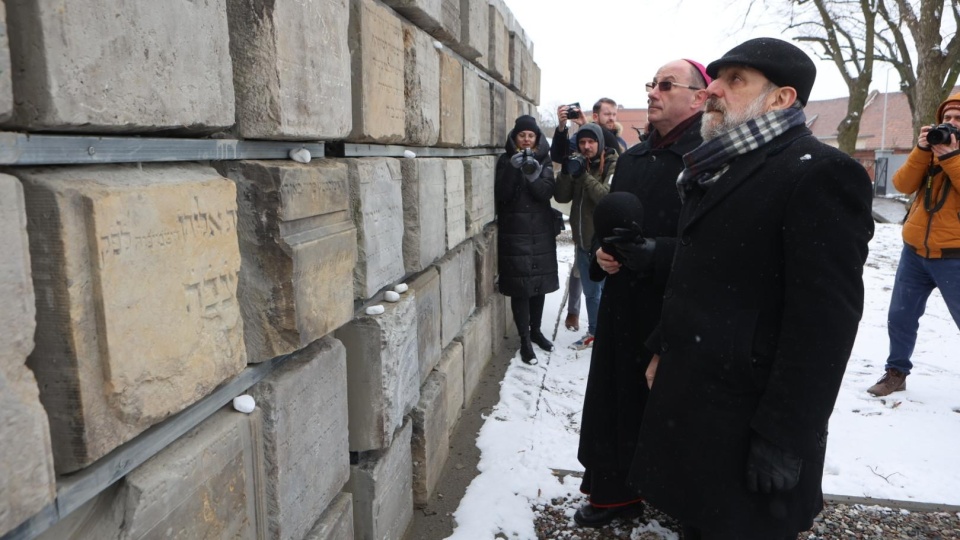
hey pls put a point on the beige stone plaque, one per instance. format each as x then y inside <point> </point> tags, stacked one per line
<point>376,52</point>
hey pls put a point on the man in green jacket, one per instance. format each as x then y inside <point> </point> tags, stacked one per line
<point>584,179</point>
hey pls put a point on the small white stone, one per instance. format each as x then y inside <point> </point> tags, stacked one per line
<point>401,288</point>
<point>375,310</point>
<point>300,155</point>
<point>244,403</point>
<point>409,154</point>
<point>437,45</point>
<point>391,296</point>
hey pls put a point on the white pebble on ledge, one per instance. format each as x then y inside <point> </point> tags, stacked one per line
<point>300,155</point>
<point>244,403</point>
<point>375,310</point>
<point>401,288</point>
<point>409,154</point>
<point>391,296</point>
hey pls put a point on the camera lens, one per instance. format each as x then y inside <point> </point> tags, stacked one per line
<point>576,165</point>
<point>940,134</point>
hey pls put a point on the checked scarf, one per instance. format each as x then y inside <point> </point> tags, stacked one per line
<point>705,164</point>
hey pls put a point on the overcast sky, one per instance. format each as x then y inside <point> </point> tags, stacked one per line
<point>587,49</point>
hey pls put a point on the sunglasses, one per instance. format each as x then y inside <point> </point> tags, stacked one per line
<point>666,86</point>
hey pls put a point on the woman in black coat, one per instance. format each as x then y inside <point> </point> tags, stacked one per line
<point>526,241</point>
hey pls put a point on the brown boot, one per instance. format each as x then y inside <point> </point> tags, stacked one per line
<point>892,381</point>
<point>572,322</point>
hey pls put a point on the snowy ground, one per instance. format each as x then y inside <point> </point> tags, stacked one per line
<point>903,447</point>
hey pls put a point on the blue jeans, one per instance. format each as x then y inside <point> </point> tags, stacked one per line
<point>916,279</point>
<point>591,290</point>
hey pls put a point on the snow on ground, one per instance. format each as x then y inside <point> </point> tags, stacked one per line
<point>902,447</point>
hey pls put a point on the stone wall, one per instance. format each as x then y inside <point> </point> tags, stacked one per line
<point>133,292</point>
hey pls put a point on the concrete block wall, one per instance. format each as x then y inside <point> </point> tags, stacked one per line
<point>138,290</point>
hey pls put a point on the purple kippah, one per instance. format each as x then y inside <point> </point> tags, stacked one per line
<point>701,69</point>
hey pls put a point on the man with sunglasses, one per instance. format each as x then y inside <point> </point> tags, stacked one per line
<point>630,302</point>
<point>760,310</point>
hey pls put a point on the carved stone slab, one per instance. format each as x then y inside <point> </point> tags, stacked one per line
<point>6,82</point>
<point>485,250</point>
<point>136,274</point>
<point>478,174</point>
<point>477,350</point>
<point>336,523</point>
<point>454,204</point>
<point>431,443</point>
<point>426,287</point>
<point>457,291</point>
<point>377,60</point>
<point>424,228</point>
<point>473,110</point>
<point>421,87</point>
<point>451,366</point>
<point>382,488</point>
<point>474,29</point>
<point>451,101</point>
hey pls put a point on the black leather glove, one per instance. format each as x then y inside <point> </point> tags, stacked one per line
<point>630,248</point>
<point>771,468</point>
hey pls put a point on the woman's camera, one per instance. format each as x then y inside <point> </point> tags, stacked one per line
<point>573,110</point>
<point>530,164</point>
<point>941,134</point>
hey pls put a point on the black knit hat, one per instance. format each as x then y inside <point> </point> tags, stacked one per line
<point>525,123</point>
<point>784,64</point>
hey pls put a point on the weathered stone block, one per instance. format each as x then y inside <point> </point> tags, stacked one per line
<point>383,377</point>
<point>137,316</point>
<point>283,89</point>
<point>201,486</point>
<point>451,101</point>
<point>501,306</point>
<point>498,57</point>
<point>485,250</point>
<point>485,105</point>
<point>498,116</point>
<point>451,366</point>
<point>27,482</point>
<point>146,67</point>
<point>424,229</point>
<point>377,209</point>
<point>306,460</point>
<point>382,488</point>
<point>535,81</point>
<point>457,291</point>
<point>474,29</point>
<point>511,112</point>
<point>336,523</point>
<point>525,87</point>
<point>431,442</point>
<point>299,250</point>
<point>439,17</point>
<point>517,47</point>
<point>478,180</point>
<point>376,55</point>
<point>421,87</point>
<point>427,290</point>
<point>454,204</point>
<point>6,81</point>
<point>473,112</point>
<point>477,350</point>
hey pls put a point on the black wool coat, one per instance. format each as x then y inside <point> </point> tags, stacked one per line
<point>526,238</point>
<point>759,317</point>
<point>629,310</point>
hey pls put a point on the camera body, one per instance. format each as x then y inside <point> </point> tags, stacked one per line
<point>576,165</point>
<point>941,134</point>
<point>574,111</point>
<point>529,165</point>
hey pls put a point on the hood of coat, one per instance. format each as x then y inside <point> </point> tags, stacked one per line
<point>542,149</point>
<point>952,99</point>
<point>597,135</point>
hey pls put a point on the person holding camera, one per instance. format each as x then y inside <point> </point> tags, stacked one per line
<point>584,179</point>
<point>931,241</point>
<point>526,238</point>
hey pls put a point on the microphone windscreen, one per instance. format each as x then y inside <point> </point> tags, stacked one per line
<point>617,209</point>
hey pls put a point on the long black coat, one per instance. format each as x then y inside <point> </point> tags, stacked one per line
<point>759,317</point>
<point>629,310</point>
<point>526,238</point>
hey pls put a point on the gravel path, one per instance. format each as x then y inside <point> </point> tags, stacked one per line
<point>836,522</point>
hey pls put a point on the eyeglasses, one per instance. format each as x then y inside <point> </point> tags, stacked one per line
<point>666,86</point>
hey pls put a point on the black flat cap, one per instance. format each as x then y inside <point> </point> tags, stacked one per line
<point>784,64</point>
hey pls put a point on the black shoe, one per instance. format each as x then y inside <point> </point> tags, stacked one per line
<point>541,340</point>
<point>589,515</point>
<point>526,351</point>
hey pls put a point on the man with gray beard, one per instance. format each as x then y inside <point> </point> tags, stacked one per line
<point>760,310</point>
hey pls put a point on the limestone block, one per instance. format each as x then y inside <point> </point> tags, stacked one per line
<point>383,373</point>
<point>478,180</point>
<point>284,90</point>
<point>427,289</point>
<point>431,443</point>
<point>27,482</point>
<point>473,112</point>
<point>336,523</point>
<point>6,82</point>
<point>299,249</point>
<point>485,251</point>
<point>201,486</point>
<point>439,17</point>
<point>377,60</point>
<point>377,210</point>
<point>451,366</point>
<point>477,349</point>
<point>454,204</point>
<point>382,488</point>
<point>485,105</point>
<point>451,101</point>
<point>149,66</point>
<point>498,56</point>
<point>525,87</point>
<point>424,229</point>
<point>474,29</point>
<point>421,87</point>
<point>501,306</point>
<point>511,112</point>
<point>535,83</point>
<point>306,460</point>
<point>137,317</point>
<point>498,116</point>
<point>457,291</point>
<point>517,47</point>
